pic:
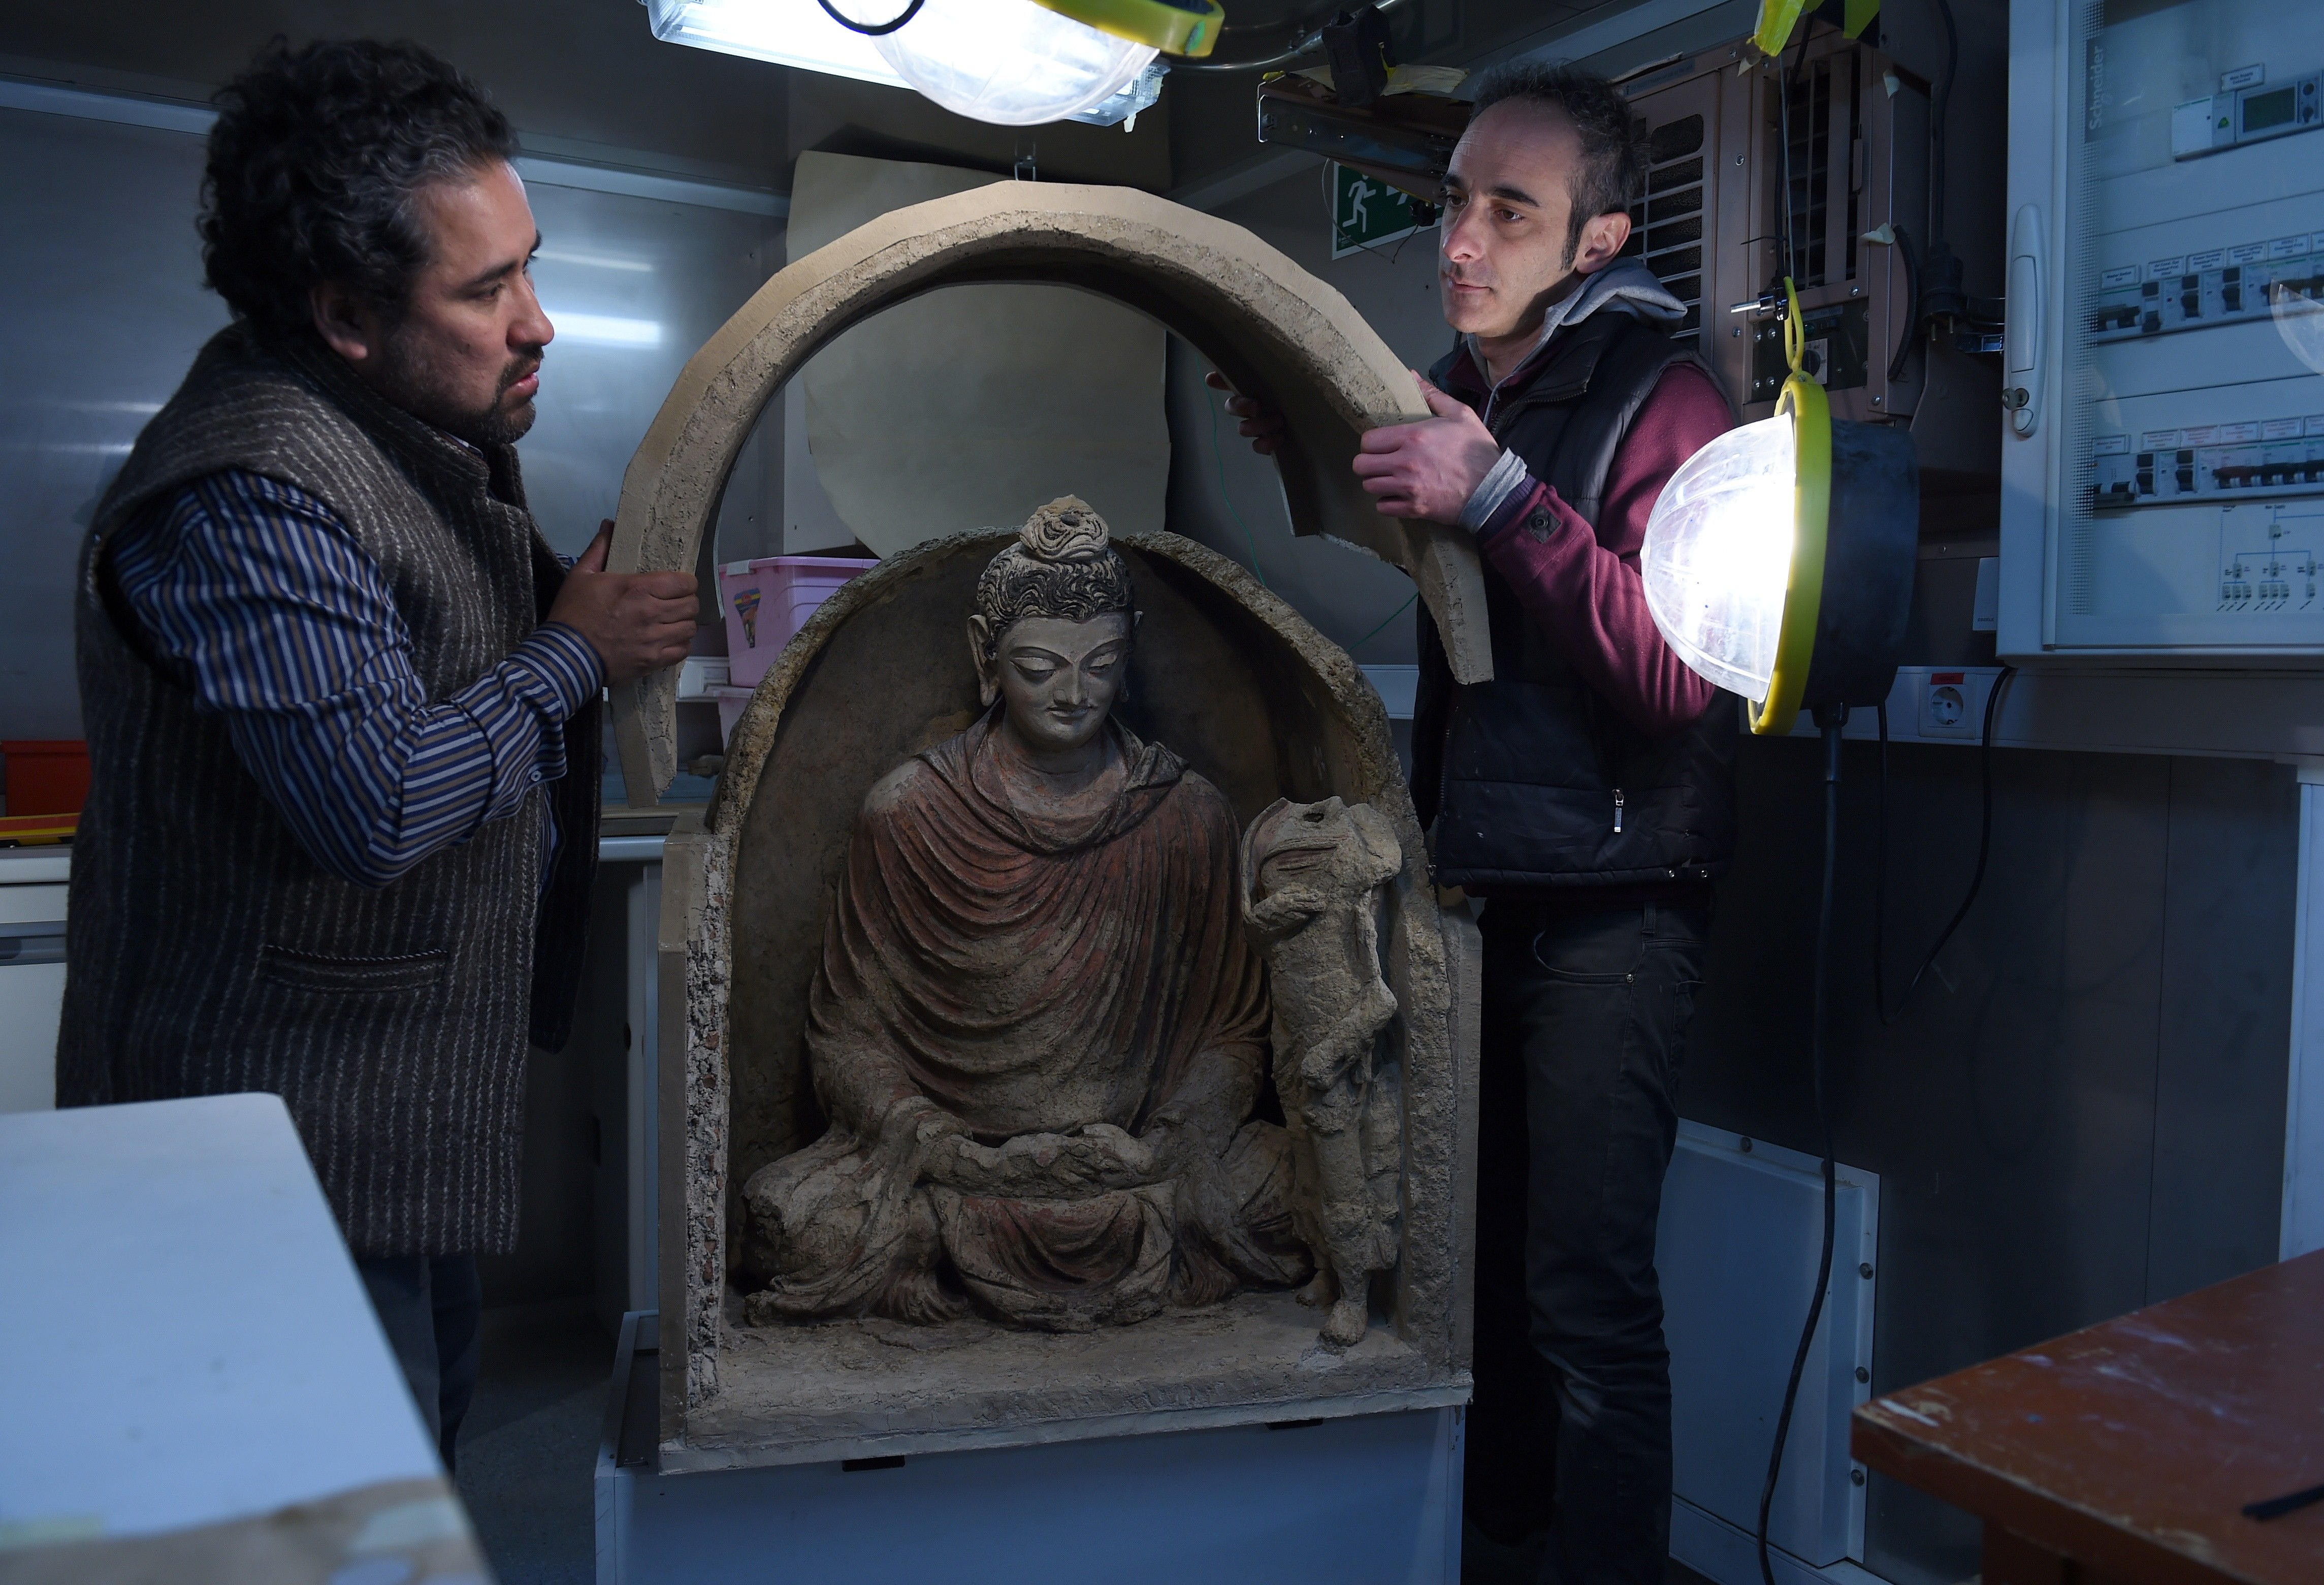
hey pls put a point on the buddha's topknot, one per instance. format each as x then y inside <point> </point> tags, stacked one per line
<point>1061,566</point>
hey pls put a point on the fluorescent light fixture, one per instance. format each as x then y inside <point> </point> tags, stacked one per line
<point>594,261</point>
<point>605,329</point>
<point>1007,61</point>
<point>789,33</point>
<point>1122,110</point>
<point>1012,63</point>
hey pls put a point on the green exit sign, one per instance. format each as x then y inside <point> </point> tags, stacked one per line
<point>1367,212</point>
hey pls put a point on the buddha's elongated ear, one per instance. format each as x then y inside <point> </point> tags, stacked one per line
<point>981,653</point>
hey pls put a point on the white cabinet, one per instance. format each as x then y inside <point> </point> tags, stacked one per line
<point>32,974</point>
<point>2163,468</point>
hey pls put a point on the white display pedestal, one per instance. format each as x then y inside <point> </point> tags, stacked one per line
<point>1364,1499</point>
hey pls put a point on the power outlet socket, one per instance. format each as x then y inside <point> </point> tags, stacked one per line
<point>1952,703</point>
<point>1927,704</point>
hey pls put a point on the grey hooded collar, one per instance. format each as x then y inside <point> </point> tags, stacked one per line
<point>1624,286</point>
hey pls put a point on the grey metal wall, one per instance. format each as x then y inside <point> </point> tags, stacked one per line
<point>104,310</point>
<point>2084,1112</point>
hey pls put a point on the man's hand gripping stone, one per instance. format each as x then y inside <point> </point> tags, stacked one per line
<point>637,622</point>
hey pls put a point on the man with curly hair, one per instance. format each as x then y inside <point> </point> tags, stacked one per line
<point>342,698</point>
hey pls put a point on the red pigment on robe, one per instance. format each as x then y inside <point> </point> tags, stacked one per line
<point>1033,970</point>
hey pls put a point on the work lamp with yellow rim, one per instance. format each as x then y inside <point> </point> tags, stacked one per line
<point>1778,563</point>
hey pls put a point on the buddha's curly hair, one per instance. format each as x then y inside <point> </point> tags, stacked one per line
<point>314,164</point>
<point>1061,566</point>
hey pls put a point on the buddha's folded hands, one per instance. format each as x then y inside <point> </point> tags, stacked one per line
<point>1097,1160</point>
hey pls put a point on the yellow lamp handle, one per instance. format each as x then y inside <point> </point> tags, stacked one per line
<point>1176,27</point>
<point>1811,415</point>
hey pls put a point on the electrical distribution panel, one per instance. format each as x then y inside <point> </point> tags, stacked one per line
<point>2165,358</point>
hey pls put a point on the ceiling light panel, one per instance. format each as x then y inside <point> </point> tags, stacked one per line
<point>789,33</point>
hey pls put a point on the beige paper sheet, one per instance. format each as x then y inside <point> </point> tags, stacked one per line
<point>970,406</point>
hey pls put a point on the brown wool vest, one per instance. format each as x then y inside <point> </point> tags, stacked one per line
<point>208,953</point>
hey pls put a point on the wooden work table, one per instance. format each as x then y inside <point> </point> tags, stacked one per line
<point>2126,1451</point>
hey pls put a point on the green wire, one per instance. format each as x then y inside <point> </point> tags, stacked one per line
<point>1391,616</point>
<point>1219,455</point>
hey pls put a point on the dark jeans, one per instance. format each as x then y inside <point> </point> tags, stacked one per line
<point>1585,1019</point>
<point>431,1308</point>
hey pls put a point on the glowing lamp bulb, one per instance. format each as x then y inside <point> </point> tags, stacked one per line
<point>1007,61</point>
<point>1717,560</point>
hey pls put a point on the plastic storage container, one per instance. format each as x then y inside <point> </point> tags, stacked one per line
<point>46,775</point>
<point>768,601</point>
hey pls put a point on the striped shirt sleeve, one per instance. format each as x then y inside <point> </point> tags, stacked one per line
<point>259,600</point>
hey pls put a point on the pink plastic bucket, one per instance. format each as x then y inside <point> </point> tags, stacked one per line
<point>768,601</point>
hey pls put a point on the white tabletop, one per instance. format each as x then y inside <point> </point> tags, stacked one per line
<point>43,866</point>
<point>184,1339</point>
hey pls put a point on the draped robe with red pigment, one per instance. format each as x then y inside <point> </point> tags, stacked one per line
<point>1032,973</point>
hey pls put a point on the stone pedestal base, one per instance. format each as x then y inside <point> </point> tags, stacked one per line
<point>853,1389</point>
<point>1365,1499</point>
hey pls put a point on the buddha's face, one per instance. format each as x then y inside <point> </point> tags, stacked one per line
<point>1057,679</point>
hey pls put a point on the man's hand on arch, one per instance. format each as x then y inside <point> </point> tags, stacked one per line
<point>1429,468</point>
<point>637,622</point>
<point>1261,426</point>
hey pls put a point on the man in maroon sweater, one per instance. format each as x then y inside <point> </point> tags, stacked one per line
<point>1585,793</point>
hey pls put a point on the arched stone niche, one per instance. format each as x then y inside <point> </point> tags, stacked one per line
<point>1274,330</point>
<point>1224,673</point>
<point>1263,706</point>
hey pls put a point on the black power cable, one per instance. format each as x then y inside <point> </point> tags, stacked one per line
<point>1913,321</point>
<point>1937,128</point>
<point>1831,718</point>
<point>1889,1015</point>
<point>1784,85</point>
<point>872,30</point>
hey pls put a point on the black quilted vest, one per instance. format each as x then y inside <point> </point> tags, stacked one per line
<point>207,954</point>
<point>1521,775</point>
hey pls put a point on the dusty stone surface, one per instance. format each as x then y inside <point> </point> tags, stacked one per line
<point>870,1386</point>
<point>1036,1023</point>
<point>1264,708</point>
<point>1274,330</point>
<point>694,967</point>
<point>1311,873</point>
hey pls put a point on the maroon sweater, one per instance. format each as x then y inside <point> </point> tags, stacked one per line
<point>1581,583</point>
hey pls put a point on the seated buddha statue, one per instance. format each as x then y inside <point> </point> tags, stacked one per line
<point>1036,1028</point>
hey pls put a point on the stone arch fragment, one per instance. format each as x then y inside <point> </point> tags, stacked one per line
<point>1274,330</point>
